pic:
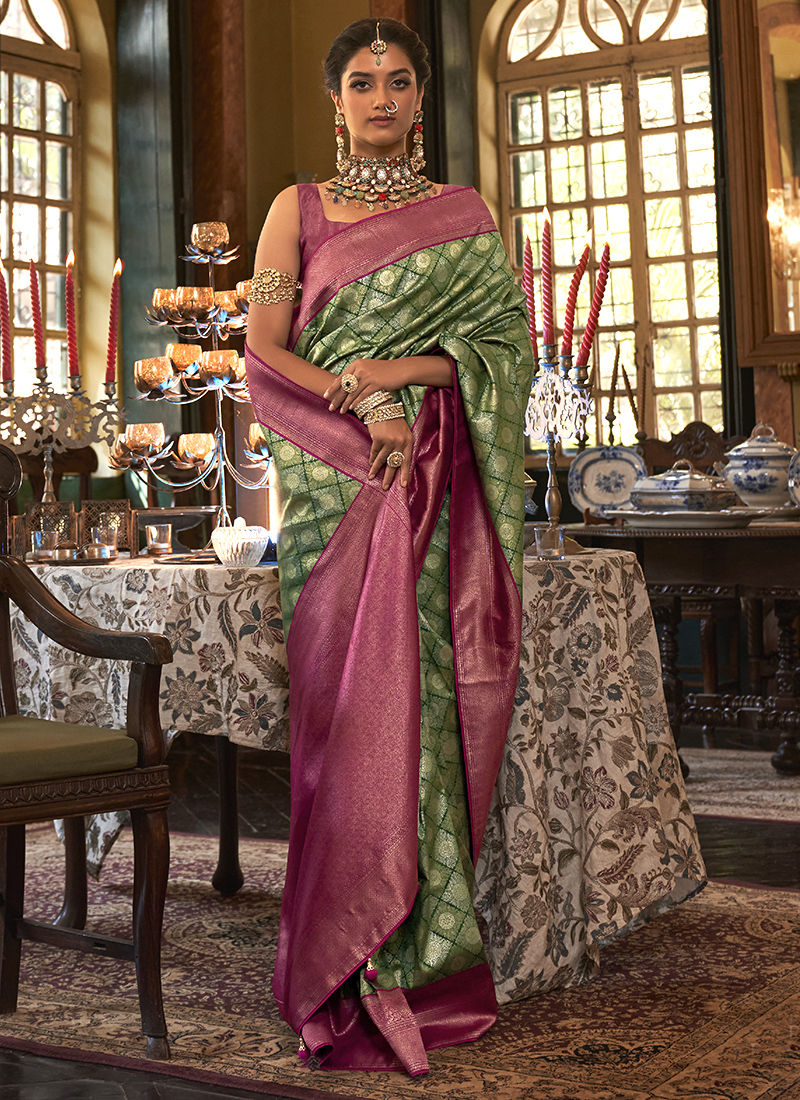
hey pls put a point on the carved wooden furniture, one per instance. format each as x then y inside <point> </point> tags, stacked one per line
<point>81,461</point>
<point>51,769</point>
<point>697,442</point>
<point>756,562</point>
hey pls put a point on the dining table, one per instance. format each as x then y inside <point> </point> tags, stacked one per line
<point>758,564</point>
<point>589,831</point>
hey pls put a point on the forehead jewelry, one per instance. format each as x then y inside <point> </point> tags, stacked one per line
<point>394,112</point>
<point>378,46</point>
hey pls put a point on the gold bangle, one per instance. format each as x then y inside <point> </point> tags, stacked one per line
<point>269,286</point>
<point>380,397</point>
<point>384,412</point>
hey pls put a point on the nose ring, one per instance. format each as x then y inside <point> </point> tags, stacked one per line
<point>388,112</point>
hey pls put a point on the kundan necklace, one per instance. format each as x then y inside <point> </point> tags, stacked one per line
<point>381,181</point>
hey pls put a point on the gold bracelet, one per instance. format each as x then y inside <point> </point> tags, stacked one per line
<point>380,397</point>
<point>269,286</point>
<point>385,412</point>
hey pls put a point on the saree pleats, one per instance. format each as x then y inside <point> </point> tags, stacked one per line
<point>402,619</point>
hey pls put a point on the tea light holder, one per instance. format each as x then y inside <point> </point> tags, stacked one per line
<point>186,373</point>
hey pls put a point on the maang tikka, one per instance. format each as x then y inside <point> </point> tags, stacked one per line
<point>378,46</point>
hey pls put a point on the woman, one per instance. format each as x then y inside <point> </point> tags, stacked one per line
<point>393,398</point>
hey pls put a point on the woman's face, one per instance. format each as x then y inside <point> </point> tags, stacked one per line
<point>367,90</point>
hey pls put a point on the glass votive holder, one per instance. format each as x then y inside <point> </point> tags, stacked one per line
<point>207,236</point>
<point>104,536</point>
<point>144,438</point>
<point>43,544</point>
<point>550,543</point>
<point>159,538</point>
<point>195,447</point>
<point>150,374</point>
<point>183,356</point>
<point>163,298</point>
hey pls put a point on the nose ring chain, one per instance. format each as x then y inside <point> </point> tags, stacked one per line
<point>388,112</point>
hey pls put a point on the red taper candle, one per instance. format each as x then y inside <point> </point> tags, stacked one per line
<point>36,312</point>
<point>594,312</point>
<point>547,282</point>
<point>5,327</point>
<point>72,340</point>
<point>113,319</point>
<point>527,286</point>
<point>572,298</point>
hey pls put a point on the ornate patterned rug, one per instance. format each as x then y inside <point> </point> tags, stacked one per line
<point>740,783</point>
<point>704,1002</point>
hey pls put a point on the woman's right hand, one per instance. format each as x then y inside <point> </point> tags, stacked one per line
<point>389,436</point>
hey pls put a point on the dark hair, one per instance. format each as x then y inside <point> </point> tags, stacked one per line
<point>361,34</point>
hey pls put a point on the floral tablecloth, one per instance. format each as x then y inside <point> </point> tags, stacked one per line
<point>589,831</point>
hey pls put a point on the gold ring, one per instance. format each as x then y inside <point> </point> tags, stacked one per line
<point>349,383</point>
<point>395,459</point>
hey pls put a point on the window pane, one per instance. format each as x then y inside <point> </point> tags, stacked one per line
<point>565,113</point>
<point>569,235</point>
<point>618,301</point>
<point>612,224</point>
<point>690,22</point>
<point>696,95</point>
<point>711,406</point>
<point>26,166</point>
<point>26,101</point>
<point>709,353</point>
<point>583,301</point>
<point>532,28</point>
<point>56,355</point>
<point>656,100</point>
<point>20,293</point>
<point>49,16</point>
<point>672,358</point>
<point>668,292</point>
<point>58,234</point>
<point>660,162</point>
<point>529,178</point>
<point>675,411</point>
<point>25,231</point>
<point>3,162</point>
<point>706,288</point>
<point>17,25</point>
<point>4,249</point>
<point>664,227</point>
<point>53,305</point>
<point>3,98</point>
<point>606,113</point>
<point>609,169</point>
<point>57,109</point>
<point>703,216</point>
<point>570,38</point>
<point>568,173</point>
<point>527,119</point>
<point>700,157</point>
<point>527,225</point>
<point>57,181</point>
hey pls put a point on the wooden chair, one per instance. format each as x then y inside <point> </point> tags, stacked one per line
<point>704,448</point>
<point>52,769</point>
<point>82,461</point>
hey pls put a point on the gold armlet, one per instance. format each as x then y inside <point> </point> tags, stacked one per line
<point>269,286</point>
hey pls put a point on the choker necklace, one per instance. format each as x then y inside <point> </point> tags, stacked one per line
<point>383,181</point>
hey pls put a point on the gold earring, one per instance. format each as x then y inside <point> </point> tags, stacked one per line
<point>338,122</point>
<point>417,152</point>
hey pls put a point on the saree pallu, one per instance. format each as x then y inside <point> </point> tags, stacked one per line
<point>402,616</point>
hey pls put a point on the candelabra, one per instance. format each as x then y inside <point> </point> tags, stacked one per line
<point>558,409</point>
<point>185,373</point>
<point>48,422</point>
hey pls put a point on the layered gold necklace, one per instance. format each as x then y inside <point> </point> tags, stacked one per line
<point>382,181</point>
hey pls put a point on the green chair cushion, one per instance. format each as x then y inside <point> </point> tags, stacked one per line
<point>34,748</point>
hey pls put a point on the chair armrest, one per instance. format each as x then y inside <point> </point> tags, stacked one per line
<point>38,604</point>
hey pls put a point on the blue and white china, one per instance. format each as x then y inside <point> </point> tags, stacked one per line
<point>758,469</point>
<point>793,478</point>
<point>601,478</point>
<point>683,488</point>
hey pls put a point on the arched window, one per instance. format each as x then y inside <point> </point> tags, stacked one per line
<point>40,172</point>
<point>604,114</point>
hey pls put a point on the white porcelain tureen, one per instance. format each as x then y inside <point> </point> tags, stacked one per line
<point>758,469</point>
<point>683,488</point>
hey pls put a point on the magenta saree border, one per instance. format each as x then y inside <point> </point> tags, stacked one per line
<point>393,235</point>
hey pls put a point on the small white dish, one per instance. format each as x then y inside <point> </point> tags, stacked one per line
<point>239,546</point>
<point>601,478</point>
<point>686,520</point>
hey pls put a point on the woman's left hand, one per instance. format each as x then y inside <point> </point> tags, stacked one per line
<point>372,375</point>
<point>390,437</point>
